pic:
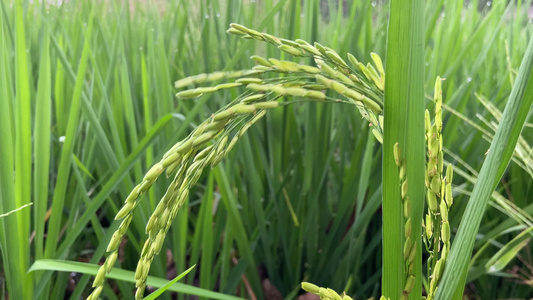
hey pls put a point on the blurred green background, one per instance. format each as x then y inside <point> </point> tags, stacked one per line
<point>299,197</point>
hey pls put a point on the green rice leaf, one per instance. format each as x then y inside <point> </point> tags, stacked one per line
<point>125,275</point>
<point>404,124</point>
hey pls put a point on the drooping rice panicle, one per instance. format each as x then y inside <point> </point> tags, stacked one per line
<point>188,157</point>
<point>364,83</point>
<point>318,52</point>
<point>213,139</point>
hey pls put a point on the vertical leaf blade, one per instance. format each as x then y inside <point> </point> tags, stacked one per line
<point>43,118</point>
<point>404,123</point>
<point>23,155</point>
<point>66,153</point>
<point>7,182</point>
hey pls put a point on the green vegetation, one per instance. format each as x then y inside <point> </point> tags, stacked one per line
<point>88,107</point>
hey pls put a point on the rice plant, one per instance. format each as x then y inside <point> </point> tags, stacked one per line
<point>360,87</point>
<point>324,168</point>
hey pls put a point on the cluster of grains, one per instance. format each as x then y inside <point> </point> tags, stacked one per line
<point>187,159</point>
<point>327,293</point>
<point>212,140</point>
<point>409,248</point>
<point>360,84</point>
<point>439,196</point>
<point>126,214</point>
<point>324,293</point>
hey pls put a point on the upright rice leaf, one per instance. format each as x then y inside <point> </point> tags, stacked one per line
<point>42,138</point>
<point>23,155</point>
<point>8,225</point>
<point>67,150</point>
<point>404,124</point>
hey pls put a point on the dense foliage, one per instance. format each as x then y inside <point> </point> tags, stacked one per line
<point>88,106</point>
